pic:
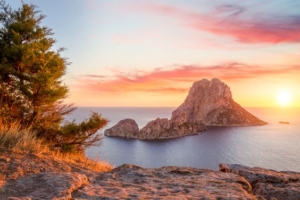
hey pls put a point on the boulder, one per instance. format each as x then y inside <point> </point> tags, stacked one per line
<point>127,128</point>
<point>47,185</point>
<point>270,184</point>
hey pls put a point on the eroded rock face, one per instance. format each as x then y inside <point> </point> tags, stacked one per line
<point>209,103</point>
<point>127,128</point>
<point>159,128</point>
<point>165,129</point>
<point>268,183</point>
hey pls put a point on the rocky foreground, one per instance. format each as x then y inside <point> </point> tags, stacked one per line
<point>209,103</point>
<point>29,176</point>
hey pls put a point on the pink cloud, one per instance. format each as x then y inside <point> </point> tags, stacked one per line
<point>172,80</point>
<point>235,22</point>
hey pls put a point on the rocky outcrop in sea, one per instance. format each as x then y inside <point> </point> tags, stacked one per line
<point>127,128</point>
<point>209,103</point>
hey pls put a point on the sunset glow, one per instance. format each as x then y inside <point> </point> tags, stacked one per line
<point>284,98</point>
<point>149,53</point>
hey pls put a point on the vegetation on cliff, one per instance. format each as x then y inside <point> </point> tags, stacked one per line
<point>31,87</point>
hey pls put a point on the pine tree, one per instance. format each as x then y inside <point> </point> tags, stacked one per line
<point>31,87</point>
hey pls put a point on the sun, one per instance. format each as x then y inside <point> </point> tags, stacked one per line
<point>284,98</point>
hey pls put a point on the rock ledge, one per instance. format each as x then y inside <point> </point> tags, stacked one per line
<point>28,176</point>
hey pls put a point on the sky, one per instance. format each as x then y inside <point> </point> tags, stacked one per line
<point>134,53</point>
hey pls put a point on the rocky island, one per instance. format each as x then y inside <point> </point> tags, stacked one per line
<point>209,103</point>
<point>283,122</point>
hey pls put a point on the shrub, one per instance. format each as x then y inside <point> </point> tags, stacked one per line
<point>31,87</point>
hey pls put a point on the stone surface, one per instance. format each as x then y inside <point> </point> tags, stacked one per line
<point>133,182</point>
<point>268,183</point>
<point>29,176</point>
<point>127,128</point>
<point>209,103</point>
<point>47,185</point>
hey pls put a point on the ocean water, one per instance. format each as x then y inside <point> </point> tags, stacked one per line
<point>273,146</point>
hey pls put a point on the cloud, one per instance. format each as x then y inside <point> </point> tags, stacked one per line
<point>176,79</point>
<point>230,10</point>
<point>236,22</point>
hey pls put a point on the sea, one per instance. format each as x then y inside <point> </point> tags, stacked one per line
<point>273,146</point>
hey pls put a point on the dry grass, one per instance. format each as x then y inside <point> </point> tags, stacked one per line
<point>15,139</point>
<point>82,160</point>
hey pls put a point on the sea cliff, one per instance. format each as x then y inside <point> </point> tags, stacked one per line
<point>208,103</point>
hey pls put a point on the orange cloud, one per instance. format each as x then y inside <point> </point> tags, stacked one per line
<point>236,22</point>
<point>175,80</point>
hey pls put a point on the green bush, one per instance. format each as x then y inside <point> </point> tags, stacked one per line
<point>31,87</point>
